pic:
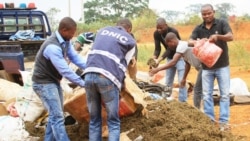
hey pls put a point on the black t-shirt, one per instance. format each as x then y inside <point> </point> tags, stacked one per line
<point>160,39</point>
<point>219,27</point>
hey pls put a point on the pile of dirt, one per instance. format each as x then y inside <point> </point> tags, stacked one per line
<point>174,121</point>
<point>167,120</point>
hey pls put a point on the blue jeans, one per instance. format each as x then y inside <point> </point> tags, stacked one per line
<point>52,98</point>
<point>223,78</point>
<point>170,74</point>
<point>100,89</point>
<point>198,90</point>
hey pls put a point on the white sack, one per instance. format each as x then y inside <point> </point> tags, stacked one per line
<point>8,89</point>
<point>237,87</point>
<point>28,104</point>
<point>12,129</point>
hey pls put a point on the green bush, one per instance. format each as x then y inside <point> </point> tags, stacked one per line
<point>146,20</point>
<point>92,27</point>
<point>239,55</point>
<point>145,51</point>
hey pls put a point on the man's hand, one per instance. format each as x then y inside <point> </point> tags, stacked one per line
<point>183,83</point>
<point>132,62</point>
<point>157,62</point>
<point>153,71</point>
<point>153,63</point>
<point>213,38</point>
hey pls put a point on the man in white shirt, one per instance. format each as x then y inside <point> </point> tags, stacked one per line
<point>182,50</point>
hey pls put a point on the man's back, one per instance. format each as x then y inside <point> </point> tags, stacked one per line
<point>109,55</point>
<point>187,54</point>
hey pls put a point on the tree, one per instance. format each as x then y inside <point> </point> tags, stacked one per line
<point>171,16</point>
<point>112,10</point>
<point>193,16</point>
<point>51,14</point>
<point>223,10</point>
<point>245,17</point>
<point>194,9</point>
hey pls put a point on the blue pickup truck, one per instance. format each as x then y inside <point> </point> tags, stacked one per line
<point>13,50</point>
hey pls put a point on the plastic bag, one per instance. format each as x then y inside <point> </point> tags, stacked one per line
<point>28,104</point>
<point>208,53</point>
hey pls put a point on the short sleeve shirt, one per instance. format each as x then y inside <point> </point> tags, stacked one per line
<point>219,27</point>
<point>87,37</point>
<point>188,55</point>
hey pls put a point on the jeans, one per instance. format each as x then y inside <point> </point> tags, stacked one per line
<point>223,78</point>
<point>170,74</point>
<point>198,90</point>
<point>100,90</point>
<point>52,98</point>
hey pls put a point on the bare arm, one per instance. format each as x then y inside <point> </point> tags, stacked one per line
<point>226,37</point>
<point>187,69</point>
<point>191,42</point>
<point>170,64</point>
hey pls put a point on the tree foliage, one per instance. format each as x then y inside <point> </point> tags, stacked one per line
<point>170,15</point>
<point>245,17</point>
<point>51,14</point>
<point>111,10</point>
<point>194,9</point>
<point>192,13</point>
<point>223,10</point>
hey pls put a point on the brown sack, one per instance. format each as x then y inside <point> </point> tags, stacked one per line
<point>3,110</point>
<point>130,98</point>
<point>77,107</point>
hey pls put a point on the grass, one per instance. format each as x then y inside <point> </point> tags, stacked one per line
<point>145,51</point>
<point>238,54</point>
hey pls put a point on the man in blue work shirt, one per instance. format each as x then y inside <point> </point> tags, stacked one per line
<point>51,64</point>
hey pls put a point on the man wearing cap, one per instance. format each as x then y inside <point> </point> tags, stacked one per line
<point>84,38</point>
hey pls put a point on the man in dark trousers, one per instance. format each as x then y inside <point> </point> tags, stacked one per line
<point>159,38</point>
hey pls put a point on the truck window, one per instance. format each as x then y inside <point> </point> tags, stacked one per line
<point>14,19</point>
<point>9,24</point>
<point>22,21</point>
<point>37,22</point>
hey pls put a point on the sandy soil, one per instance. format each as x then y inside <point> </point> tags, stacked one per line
<point>167,120</point>
<point>239,117</point>
<point>178,121</point>
<point>172,121</point>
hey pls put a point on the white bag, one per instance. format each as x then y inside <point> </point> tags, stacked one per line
<point>28,104</point>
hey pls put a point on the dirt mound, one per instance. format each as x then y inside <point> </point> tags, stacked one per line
<point>172,121</point>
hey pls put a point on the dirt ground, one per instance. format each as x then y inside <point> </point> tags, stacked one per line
<point>167,120</point>
<point>174,121</point>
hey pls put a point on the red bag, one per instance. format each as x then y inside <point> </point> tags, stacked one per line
<point>208,53</point>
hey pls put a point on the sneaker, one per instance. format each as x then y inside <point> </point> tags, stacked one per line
<point>224,127</point>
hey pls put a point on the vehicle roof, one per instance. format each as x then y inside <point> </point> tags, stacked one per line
<point>5,12</point>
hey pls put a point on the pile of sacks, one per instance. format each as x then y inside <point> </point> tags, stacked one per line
<point>20,104</point>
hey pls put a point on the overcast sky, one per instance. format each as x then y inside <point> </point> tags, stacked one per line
<point>158,5</point>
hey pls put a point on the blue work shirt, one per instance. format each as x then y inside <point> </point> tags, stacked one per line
<point>55,55</point>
